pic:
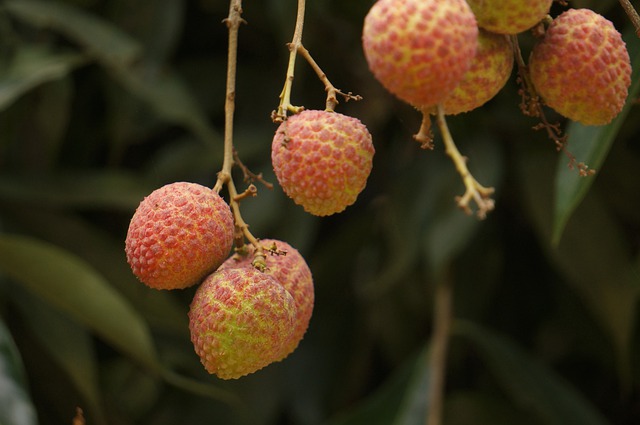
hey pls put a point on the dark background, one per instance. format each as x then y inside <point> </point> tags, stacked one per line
<point>102,101</point>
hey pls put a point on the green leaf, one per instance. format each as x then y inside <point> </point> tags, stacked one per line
<point>590,145</point>
<point>529,382</point>
<point>402,400</point>
<point>70,345</point>
<point>31,67</point>
<point>170,98</point>
<point>15,404</point>
<point>66,282</point>
<point>594,255</point>
<point>102,39</point>
<point>161,89</point>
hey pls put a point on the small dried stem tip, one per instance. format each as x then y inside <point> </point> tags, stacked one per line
<point>248,175</point>
<point>474,191</point>
<point>332,91</point>
<point>632,14</point>
<point>424,136</point>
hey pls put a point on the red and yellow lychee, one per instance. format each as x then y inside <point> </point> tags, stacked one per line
<point>419,50</point>
<point>581,68</point>
<point>489,72</point>
<point>509,16</point>
<point>178,234</point>
<point>322,160</point>
<point>285,264</point>
<point>240,321</point>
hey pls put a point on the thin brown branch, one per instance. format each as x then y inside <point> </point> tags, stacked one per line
<point>632,14</point>
<point>332,91</point>
<point>233,22</point>
<point>442,318</point>
<point>285,105</point>
<point>248,175</point>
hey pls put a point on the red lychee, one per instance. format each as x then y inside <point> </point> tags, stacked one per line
<point>285,264</point>
<point>581,68</point>
<point>509,16</point>
<point>420,49</point>
<point>322,160</point>
<point>489,72</point>
<point>179,234</point>
<point>240,320</point>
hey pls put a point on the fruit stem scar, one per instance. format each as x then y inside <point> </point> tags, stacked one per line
<point>474,190</point>
<point>425,136</point>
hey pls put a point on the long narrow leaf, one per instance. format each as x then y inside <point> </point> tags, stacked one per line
<point>72,286</point>
<point>99,37</point>
<point>15,404</point>
<point>32,66</point>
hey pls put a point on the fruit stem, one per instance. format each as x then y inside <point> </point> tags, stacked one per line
<point>332,91</point>
<point>474,190</point>
<point>632,14</point>
<point>296,48</point>
<point>424,136</point>
<point>285,96</point>
<point>233,22</point>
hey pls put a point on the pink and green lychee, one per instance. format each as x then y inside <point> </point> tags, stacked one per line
<point>581,68</point>
<point>489,72</point>
<point>419,50</point>
<point>322,160</point>
<point>240,320</point>
<point>509,16</point>
<point>178,234</point>
<point>285,264</point>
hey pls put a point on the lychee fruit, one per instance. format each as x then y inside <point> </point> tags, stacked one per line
<point>178,234</point>
<point>581,68</point>
<point>285,264</point>
<point>322,160</point>
<point>419,50</point>
<point>240,320</point>
<point>509,16</point>
<point>489,72</point>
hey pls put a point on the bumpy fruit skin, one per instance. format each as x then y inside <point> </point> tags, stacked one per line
<point>581,68</point>
<point>509,16</point>
<point>420,49</point>
<point>322,160</point>
<point>285,264</point>
<point>179,234</point>
<point>489,72</point>
<point>240,319</point>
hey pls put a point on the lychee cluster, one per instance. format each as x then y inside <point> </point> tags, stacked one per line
<point>246,313</point>
<point>322,160</point>
<point>459,54</point>
<point>243,318</point>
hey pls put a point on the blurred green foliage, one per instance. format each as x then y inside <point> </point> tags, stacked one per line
<point>103,101</point>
